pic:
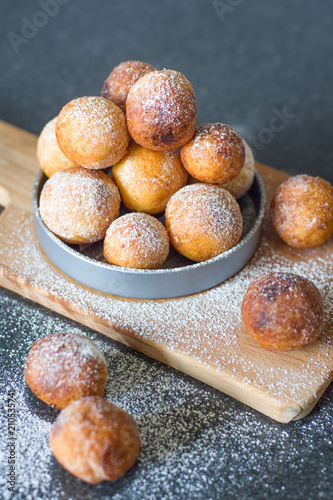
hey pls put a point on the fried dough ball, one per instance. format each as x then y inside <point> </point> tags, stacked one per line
<point>215,154</point>
<point>203,221</point>
<point>78,205</point>
<point>121,79</point>
<point>147,179</point>
<point>50,156</point>
<point>63,367</point>
<point>302,211</point>
<point>161,110</point>
<point>91,131</point>
<point>243,181</point>
<point>95,440</point>
<point>136,240</point>
<point>282,311</point>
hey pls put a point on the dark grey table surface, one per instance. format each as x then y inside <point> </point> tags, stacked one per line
<point>264,67</point>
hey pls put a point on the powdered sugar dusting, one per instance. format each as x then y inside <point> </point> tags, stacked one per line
<point>207,326</point>
<point>92,131</point>
<point>302,210</point>
<point>161,110</point>
<point>78,205</point>
<point>137,240</point>
<point>196,442</point>
<point>204,209</point>
<point>146,179</point>
<point>164,96</point>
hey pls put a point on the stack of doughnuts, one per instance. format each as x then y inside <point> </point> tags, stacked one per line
<point>133,149</point>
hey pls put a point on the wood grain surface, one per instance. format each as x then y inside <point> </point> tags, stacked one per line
<point>201,335</point>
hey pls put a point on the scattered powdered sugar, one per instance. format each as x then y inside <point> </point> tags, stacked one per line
<point>197,443</point>
<point>205,327</point>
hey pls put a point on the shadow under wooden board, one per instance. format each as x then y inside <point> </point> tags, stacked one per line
<point>202,334</point>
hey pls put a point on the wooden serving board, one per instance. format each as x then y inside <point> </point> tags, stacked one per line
<point>201,335</point>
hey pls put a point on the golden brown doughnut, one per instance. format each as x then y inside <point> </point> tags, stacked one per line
<point>203,221</point>
<point>63,367</point>
<point>121,79</point>
<point>78,205</point>
<point>147,179</point>
<point>302,211</point>
<point>215,154</point>
<point>91,131</point>
<point>161,110</point>
<point>282,311</point>
<point>243,181</point>
<point>95,440</point>
<point>240,184</point>
<point>50,156</point>
<point>136,240</point>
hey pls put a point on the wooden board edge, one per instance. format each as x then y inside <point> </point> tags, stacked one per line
<point>281,409</point>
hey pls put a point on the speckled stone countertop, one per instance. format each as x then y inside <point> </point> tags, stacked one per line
<point>265,68</point>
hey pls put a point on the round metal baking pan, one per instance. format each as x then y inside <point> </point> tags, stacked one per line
<point>178,277</point>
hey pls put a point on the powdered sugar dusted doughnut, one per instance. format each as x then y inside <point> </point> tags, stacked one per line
<point>91,131</point>
<point>136,240</point>
<point>282,311</point>
<point>302,211</point>
<point>63,367</point>
<point>146,179</point>
<point>161,110</point>
<point>95,440</point>
<point>215,154</point>
<point>121,79</point>
<point>78,205</point>
<point>50,156</point>
<point>203,221</point>
<point>243,181</point>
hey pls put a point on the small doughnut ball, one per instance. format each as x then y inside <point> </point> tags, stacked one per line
<point>121,79</point>
<point>243,181</point>
<point>136,240</point>
<point>63,367</point>
<point>240,184</point>
<point>203,221</point>
<point>50,156</point>
<point>78,205</point>
<point>301,211</point>
<point>95,440</point>
<point>282,311</point>
<point>91,131</point>
<point>147,179</point>
<point>215,154</point>
<point>161,110</point>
